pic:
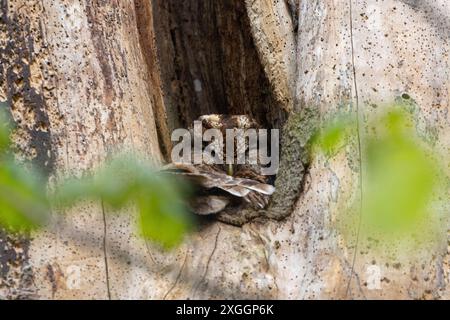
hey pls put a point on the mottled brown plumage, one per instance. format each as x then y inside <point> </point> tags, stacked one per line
<point>218,192</point>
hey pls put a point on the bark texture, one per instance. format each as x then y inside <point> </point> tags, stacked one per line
<point>208,62</point>
<point>72,74</point>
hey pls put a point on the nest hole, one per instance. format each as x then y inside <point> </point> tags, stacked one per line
<point>207,63</point>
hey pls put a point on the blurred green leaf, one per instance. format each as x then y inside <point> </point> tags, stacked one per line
<point>5,129</point>
<point>23,201</point>
<point>71,191</point>
<point>163,215</point>
<point>400,175</point>
<point>334,135</point>
<point>125,181</point>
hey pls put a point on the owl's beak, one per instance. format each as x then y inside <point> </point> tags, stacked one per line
<point>230,170</point>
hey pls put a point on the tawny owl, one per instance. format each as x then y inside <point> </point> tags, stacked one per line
<point>225,190</point>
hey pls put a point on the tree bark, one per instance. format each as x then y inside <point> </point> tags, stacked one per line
<point>85,78</point>
<point>72,75</point>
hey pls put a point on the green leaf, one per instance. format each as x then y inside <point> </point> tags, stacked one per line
<point>402,180</point>
<point>71,191</point>
<point>334,135</point>
<point>125,181</point>
<point>5,129</point>
<point>23,201</point>
<point>401,176</point>
<point>163,216</point>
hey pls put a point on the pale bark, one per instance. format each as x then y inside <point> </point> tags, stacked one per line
<point>77,89</point>
<point>101,73</point>
<point>273,28</point>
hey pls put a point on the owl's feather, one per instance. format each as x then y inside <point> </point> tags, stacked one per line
<point>217,190</point>
<point>205,205</point>
<point>207,177</point>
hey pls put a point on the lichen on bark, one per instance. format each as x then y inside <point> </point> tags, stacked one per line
<point>295,159</point>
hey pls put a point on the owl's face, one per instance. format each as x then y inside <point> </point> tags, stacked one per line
<point>230,122</point>
<point>224,188</point>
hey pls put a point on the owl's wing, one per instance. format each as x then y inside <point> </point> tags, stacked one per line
<point>212,204</point>
<point>206,177</point>
<point>254,185</point>
<point>210,178</point>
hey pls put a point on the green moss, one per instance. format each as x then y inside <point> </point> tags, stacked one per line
<point>295,156</point>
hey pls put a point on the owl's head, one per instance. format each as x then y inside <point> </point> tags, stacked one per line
<point>225,124</point>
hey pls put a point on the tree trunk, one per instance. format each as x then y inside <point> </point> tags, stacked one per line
<point>72,74</point>
<point>85,78</point>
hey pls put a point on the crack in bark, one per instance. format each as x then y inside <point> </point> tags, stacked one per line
<point>358,127</point>
<point>209,261</point>
<point>105,253</point>
<point>84,240</point>
<point>357,278</point>
<point>263,243</point>
<point>177,278</point>
<point>147,248</point>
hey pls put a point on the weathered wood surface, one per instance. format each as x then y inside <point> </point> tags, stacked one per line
<point>209,63</point>
<point>89,92</point>
<point>351,55</point>
<point>274,31</point>
<point>72,72</point>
